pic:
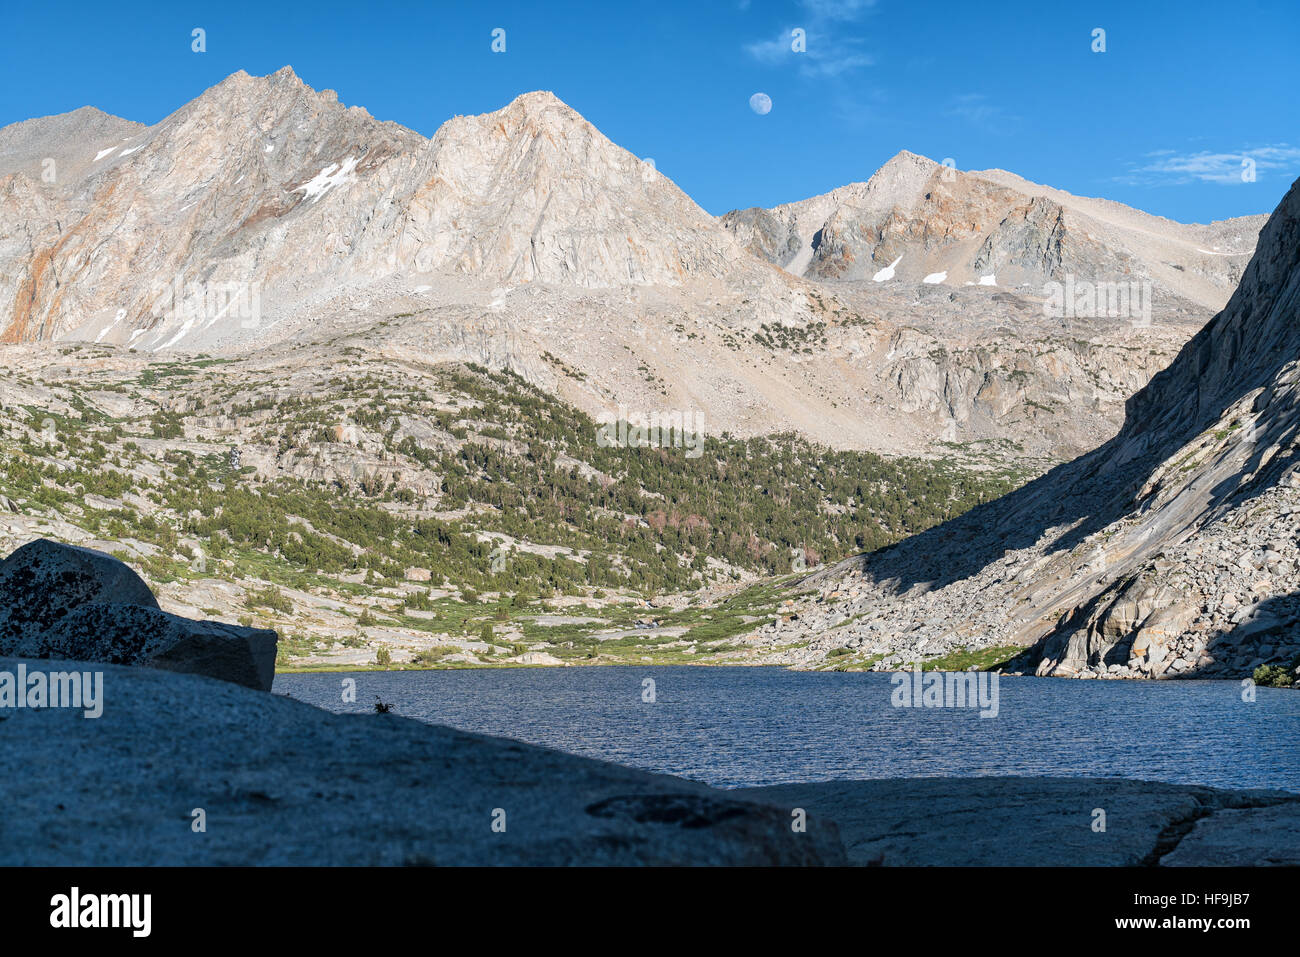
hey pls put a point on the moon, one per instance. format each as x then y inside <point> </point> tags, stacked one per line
<point>761,104</point>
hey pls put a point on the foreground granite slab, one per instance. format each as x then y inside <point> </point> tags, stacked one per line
<point>282,782</point>
<point>1241,836</point>
<point>1047,821</point>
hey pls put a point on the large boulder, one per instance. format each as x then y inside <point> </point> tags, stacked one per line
<point>43,581</point>
<point>132,634</point>
<point>61,601</point>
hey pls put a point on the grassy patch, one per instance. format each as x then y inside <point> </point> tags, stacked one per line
<point>983,659</point>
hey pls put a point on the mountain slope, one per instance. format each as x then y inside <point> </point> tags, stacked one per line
<point>1171,549</point>
<point>61,150</point>
<point>376,497</point>
<point>535,192</point>
<point>263,180</point>
<point>223,190</point>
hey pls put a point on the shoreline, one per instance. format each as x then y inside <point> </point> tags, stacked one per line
<point>509,666</point>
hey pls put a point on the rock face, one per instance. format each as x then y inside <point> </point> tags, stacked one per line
<point>41,582</point>
<point>283,783</point>
<point>1170,551</point>
<point>765,234</point>
<point>1047,822</point>
<point>1261,835</point>
<point>61,601</point>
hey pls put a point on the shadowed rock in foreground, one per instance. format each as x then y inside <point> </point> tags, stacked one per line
<point>1048,821</point>
<point>282,782</point>
<point>61,601</point>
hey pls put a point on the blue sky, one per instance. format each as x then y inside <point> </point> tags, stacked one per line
<point>1161,120</point>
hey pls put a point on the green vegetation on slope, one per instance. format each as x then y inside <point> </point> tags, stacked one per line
<point>477,478</point>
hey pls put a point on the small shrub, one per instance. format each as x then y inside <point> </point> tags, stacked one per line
<point>1272,676</point>
<point>269,597</point>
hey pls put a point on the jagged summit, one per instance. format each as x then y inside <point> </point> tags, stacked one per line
<point>283,75</point>
<point>907,156</point>
<point>902,162</point>
<point>244,93</point>
<point>536,101</point>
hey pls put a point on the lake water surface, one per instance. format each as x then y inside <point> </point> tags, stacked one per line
<point>733,727</point>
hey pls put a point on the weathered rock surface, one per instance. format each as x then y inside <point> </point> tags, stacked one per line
<point>41,582</point>
<point>282,782</point>
<point>971,822</point>
<point>1235,837</point>
<point>61,601</point>
<point>129,634</point>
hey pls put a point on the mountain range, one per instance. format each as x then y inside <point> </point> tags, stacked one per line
<point>916,219</point>
<point>891,315</point>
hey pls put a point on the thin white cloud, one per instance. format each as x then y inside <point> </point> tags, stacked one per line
<point>770,51</point>
<point>1171,167</point>
<point>827,50</point>
<point>835,65</point>
<point>832,10</point>
<point>976,109</point>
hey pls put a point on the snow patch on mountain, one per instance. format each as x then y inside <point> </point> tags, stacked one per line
<point>887,273</point>
<point>329,178</point>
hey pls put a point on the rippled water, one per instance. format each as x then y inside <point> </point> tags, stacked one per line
<point>752,726</point>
